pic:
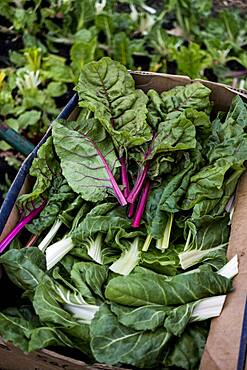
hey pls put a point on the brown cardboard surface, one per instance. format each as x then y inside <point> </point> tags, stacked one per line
<point>222,346</point>
<point>11,358</point>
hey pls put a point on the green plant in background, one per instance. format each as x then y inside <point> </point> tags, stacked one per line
<point>46,43</point>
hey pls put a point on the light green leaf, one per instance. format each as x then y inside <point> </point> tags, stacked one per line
<point>55,89</point>
<point>87,158</point>
<point>83,49</point>
<point>107,89</point>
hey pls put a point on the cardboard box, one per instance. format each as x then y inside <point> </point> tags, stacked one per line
<point>221,351</point>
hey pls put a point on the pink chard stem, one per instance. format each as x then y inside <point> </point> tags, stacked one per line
<point>119,195</point>
<point>124,176</point>
<point>17,229</point>
<point>138,184</point>
<point>142,204</point>
<point>142,175</point>
<point>131,210</point>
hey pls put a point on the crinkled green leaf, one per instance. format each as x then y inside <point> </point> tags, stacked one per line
<point>148,317</point>
<point>173,134</point>
<point>87,155</point>
<point>187,350</point>
<point>175,101</point>
<point>113,343</point>
<point>178,318</point>
<point>48,336</point>
<point>138,289</point>
<point>107,89</point>
<point>25,267</point>
<point>91,274</point>
<point>58,194</point>
<point>45,167</point>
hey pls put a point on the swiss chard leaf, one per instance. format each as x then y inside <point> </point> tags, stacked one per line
<point>45,167</point>
<point>91,274</point>
<point>112,342</point>
<point>45,336</point>
<point>138,289</point>
<point>178,318</point>
<point>16,326</point>
<point>101,219</point>
<point>187,350</point>
<point>58,194</point>
<point>175,101</point>
<point>107,89</point>
<point>148,317</point>
<point>87,159</point>
<point>25,267</point>
<point>47,307</point>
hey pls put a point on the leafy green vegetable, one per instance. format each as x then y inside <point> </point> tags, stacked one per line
<point>107,89</point>
<point>17,325</point>
<point>138,289</point>
<point>86,159</point>
<point>189,348</point>
<point>179,172</point>
<point>25,267</point>
<point>113,343</point>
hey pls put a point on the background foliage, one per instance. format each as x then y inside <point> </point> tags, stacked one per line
<point>44,44</point>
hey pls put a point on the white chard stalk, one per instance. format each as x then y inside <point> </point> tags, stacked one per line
<point>94,249</point>
<point>84,313</point>
<point>57,251</point>
<point>212,306</point>
<point>128,260</point>
<point>230,269</point>
<point>49,237</point>
<point>194,256</point>
<point>208,308</point>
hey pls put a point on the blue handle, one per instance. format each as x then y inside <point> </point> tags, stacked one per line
<point>16,186</point>
<point>243,342</point>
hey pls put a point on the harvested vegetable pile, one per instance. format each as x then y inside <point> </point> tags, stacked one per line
<point>45,43</point>
<point>130,212</point>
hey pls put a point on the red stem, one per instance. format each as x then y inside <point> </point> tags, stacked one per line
<point>142,175</point>
<point>17,229</point>
<point>131,210</point>
<point>32,241</point>
<point>142,204</point>
<point>124,176</point>
<point>138,184</point>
